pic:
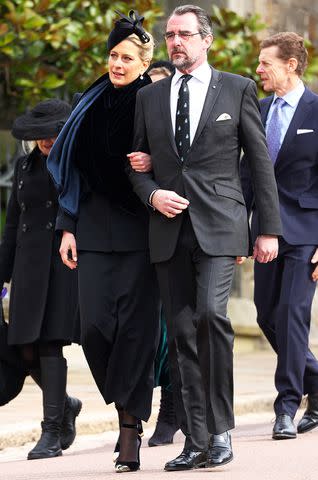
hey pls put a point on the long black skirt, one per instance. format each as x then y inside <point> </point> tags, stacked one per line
<point>119,310</point>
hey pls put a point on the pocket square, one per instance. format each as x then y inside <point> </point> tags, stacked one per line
<point>300,131</point>
<point>223,116</point>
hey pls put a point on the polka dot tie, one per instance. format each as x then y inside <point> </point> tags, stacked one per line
<point>182,134</point>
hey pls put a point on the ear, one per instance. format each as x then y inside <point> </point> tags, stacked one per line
<point>208,41</point>
<point>292,64</point>
<point>146,64</point>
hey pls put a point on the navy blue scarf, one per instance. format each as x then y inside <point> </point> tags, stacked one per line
<point>60,163</point>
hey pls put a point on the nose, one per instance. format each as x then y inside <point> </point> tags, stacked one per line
<point>177,39</point>
<point>118,62</point>
<point>259,69</point>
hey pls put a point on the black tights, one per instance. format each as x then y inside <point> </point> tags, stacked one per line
<point>32,352</point>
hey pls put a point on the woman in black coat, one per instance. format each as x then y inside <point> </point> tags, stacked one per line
<point>106,226</point>
<point>43,311</point>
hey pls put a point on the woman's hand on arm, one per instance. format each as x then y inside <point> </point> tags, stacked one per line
<point>140,162</point>
<point>68,250</point>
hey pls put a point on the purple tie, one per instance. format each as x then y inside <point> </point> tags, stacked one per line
<point>274,129</point>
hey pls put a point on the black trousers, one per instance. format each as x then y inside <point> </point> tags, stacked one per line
<point>283,297</point>
<point>195,289</point>
<point>119,309</point>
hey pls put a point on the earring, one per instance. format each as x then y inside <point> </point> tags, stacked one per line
<point>141,76</point>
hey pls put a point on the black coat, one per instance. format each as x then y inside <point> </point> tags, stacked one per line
<point>43,298</point>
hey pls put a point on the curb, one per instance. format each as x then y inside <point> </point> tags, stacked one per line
<point>86,425</point>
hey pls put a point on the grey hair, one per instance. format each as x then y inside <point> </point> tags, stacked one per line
<point>204,19</point>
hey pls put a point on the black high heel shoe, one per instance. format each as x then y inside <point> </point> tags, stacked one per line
<point>129,466</point>
<point>117,446</point>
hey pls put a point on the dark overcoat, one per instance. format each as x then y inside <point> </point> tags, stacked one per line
<point>43,297</point>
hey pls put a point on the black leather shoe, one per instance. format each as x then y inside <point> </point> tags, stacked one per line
<point>284,428</point>
<point>310,417</point>
<point>187,460</point>
<point>220,450</point>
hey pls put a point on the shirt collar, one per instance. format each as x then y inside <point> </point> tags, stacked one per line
<point>201,73</point>
<point>293,97</point>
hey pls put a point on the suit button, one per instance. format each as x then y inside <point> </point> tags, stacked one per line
<point>185,169</point>
<point>24,165</point>
<point>20,184</point>
<point>24,227</point>
<point>49,226</point>
<point>23,207</point>
<point>49,203</point>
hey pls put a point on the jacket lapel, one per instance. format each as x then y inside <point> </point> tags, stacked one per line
<point>211,96</point>
<point>264,106</point>
<point>302,111</point>
<point>166,112</point>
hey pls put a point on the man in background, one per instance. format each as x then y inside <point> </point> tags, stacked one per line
<point>284,288</point>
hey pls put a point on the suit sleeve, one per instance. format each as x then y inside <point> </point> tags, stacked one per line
<point>9,237</point>
<point>143,183</point>
<point>260,166</point>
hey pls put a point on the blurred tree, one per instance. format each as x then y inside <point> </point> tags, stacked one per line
<point>57,44</point>
<point>236,45</point>
<point>56,47</point>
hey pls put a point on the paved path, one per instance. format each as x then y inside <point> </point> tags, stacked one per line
<point>257,457</point>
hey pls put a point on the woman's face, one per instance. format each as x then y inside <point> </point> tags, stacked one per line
<point>125,64</point>
<point>46,145</point>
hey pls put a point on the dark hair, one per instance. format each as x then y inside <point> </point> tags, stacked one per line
<point>204,20</point>
<point>290,45</point>
<point>161,66</point>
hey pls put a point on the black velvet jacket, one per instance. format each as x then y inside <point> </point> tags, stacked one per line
<point>111,216</point>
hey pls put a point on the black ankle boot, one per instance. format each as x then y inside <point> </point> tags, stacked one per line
<point>53,379</point>
<point>166,423</point>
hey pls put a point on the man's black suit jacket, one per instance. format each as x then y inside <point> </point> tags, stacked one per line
<point>209,175</point>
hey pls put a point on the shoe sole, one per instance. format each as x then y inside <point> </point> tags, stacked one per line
<point>213,465</point>
<point>39,457</point>
<point>159,444</point>
<point>304,430</point>
<point>283,436</point>
<point>77,412</point>
<point>200,465</point>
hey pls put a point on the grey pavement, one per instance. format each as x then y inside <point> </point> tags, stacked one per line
<point>97,425</point>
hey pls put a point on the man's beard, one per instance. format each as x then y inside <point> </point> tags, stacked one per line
<point>184,62</point>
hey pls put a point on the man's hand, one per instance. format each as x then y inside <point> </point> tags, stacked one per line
<point>140,162</point>
<point>265,248</point>
<point>169,203</point>
<point>68,250</point>
<point>314,259</point>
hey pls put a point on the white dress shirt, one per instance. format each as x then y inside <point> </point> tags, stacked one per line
<point>198,87</point>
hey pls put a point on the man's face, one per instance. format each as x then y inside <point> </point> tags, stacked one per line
<point>186,52</point>
<point>273,71</point>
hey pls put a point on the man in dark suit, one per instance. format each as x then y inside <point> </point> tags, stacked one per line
<point>194,127</point>
<point>284,289</point>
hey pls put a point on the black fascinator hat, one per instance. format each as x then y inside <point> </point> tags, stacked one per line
<point>45,120</point>
<point>127,26</point>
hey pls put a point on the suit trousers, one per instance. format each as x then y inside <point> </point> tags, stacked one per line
<point>119,309</point>
<point>283,297</point>
<point>195,289</point>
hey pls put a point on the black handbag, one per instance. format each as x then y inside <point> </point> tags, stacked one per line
<point>12,373</point>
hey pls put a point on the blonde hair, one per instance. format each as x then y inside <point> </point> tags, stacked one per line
<point>145,49</point>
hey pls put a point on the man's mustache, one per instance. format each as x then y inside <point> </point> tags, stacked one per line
<point>177,50</point>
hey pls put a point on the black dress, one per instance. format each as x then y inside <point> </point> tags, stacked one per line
<point>118,292</point>
<point>44,293</point>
